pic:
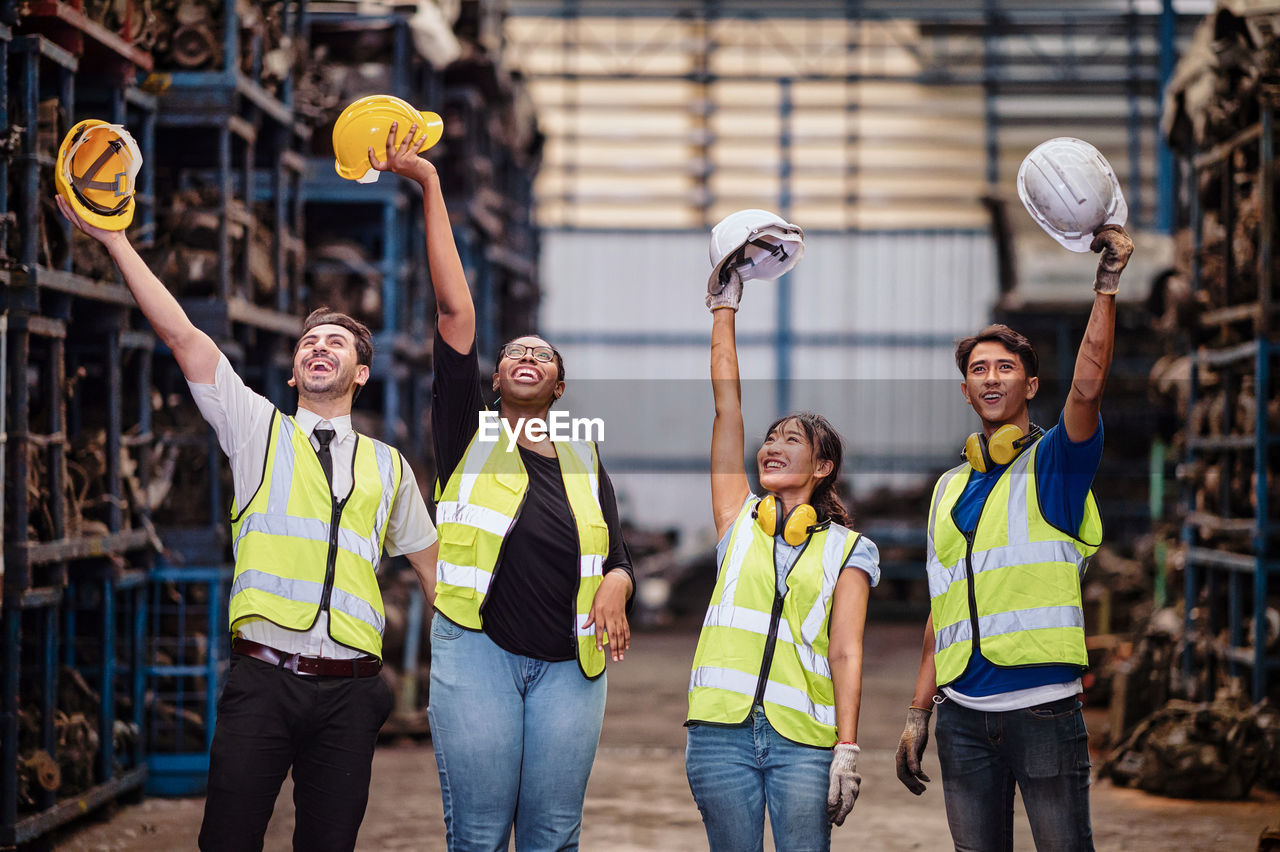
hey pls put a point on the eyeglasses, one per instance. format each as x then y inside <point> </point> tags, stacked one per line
<point>516,351</point>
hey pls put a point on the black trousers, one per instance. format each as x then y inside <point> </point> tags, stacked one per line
<point>269,720</point>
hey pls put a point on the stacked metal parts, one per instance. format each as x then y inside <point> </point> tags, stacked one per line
<point>115,494</point>
<point>1216,314</point>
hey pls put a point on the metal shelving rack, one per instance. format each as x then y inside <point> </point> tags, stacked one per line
<point>75,373</point>
<point>221,128</point>
<point>1237,544</point>
<point>385,220</point>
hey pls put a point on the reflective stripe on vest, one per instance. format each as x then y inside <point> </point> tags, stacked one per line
<point>282,540</point>
<point>475,513</point>
<point>798,695</point>
<point>1023,573</point>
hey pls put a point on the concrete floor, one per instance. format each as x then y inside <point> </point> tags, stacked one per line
<point>638,799</point>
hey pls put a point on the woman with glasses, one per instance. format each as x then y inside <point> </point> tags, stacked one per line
<point>533,578</point>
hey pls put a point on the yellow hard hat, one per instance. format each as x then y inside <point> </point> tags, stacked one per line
<point>95,171</point>
<point>364,124</point>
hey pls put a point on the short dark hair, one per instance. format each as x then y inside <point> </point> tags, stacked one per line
<point>554,351</point>
<point>324,316</point>
<point>1010,339</point>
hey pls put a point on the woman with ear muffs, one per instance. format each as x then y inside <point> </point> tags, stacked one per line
<point>532,581</point>
<point>777,677</point>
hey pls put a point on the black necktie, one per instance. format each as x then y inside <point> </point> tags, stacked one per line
<point>323,437</point>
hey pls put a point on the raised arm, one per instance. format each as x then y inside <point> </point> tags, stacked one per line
<point>195,351</point>
<point>1093,361</point>
<point>729,486</point>
<point>455,311</point>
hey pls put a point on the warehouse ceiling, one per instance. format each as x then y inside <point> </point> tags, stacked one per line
<point>854,115</point>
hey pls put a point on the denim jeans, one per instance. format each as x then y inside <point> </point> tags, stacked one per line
<point>1044,750</point>
<point>514,739</point>
<point>734,772</point>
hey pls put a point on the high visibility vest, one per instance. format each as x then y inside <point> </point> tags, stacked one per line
<point>299,551</point>
<point>757,648</point>
<point>1011,590</point>
<point>477,509</point>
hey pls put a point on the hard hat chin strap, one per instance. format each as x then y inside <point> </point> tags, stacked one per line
<point>739,261</point>
<point>120,186</point>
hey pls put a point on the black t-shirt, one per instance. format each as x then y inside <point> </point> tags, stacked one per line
<point>530,606</point>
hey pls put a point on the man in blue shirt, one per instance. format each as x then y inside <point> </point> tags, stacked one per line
<point>1009,533</point>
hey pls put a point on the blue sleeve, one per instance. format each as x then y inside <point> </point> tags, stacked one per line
<point>866,557</point>
<point>1064,475</point>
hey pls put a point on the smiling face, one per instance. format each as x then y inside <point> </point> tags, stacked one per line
<point>788,463</point>
<point>996,385</point>
<point>526,380</point>
<point>325,365</point>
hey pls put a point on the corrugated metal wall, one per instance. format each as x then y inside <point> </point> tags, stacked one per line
<point>867,341</point>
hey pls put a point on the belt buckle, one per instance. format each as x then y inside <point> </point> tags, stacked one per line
<point>290,663</point>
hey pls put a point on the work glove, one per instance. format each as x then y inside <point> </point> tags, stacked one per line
<point>911,749</point>
<point>1115,245</point>
<point>726,294</point>
<point>842,788</point>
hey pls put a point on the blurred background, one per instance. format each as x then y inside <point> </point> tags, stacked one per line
<point>589,147</point>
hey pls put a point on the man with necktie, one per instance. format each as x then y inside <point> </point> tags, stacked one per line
<point>316,504</point>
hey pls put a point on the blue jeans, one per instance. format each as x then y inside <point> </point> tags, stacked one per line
<point>1044,750</point>
<point>735,771</point>
<point>514,739</point>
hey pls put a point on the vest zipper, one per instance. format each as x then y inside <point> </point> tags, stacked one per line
<point>771,642</point>
<point>331,562</point>
<point>335,519</point>
<point>971,589</point>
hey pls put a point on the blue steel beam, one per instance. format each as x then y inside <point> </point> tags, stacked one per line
<point>783,341</point>
<point>1166,188</point>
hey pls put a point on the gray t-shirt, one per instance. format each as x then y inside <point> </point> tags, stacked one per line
<point>241,419</point>
<point>865,556</point>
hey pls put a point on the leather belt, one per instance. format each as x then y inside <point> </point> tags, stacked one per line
<point>366,666</point>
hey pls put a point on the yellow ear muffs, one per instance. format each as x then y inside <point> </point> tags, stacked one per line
<point>796,527</point>
<point>975,451</point>
<point>1004,445</point>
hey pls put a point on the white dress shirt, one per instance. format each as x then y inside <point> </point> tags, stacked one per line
<point>241,419</point>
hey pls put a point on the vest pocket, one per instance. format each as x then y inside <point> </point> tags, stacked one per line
<point>597,537</point>
<point>458,535</point>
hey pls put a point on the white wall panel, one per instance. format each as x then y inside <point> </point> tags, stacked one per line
<point>874,317</point>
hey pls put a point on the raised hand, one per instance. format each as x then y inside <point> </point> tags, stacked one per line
<point>102,235</point>
<point>1116,246</point>
<point>403,159</point>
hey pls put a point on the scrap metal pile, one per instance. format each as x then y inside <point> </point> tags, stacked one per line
<point>1181,724</point>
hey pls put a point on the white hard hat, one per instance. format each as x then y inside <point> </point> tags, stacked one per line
<point>755,243</point>
<point>1070,189</point>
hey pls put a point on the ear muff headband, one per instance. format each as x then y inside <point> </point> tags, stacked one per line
<point>1004,445</point>
<point>799,524</point>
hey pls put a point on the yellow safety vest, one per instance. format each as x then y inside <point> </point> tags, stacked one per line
<point>758,649</point>
<point>299,551</point>
<point>479,506</point>
<point>1012,590</point>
